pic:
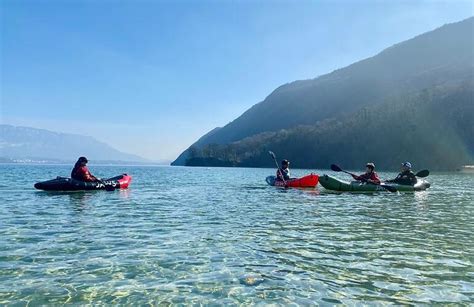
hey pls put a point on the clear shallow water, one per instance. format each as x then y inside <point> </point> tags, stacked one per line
<point>222,236</point>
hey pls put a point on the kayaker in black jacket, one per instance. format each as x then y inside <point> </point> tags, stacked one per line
<point>406,177</point>
<point>284,172</point>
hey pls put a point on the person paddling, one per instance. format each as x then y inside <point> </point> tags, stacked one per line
<point>369,176</point>
<point>283,173</point>
<point>81,172</point>
<point>406,176</point>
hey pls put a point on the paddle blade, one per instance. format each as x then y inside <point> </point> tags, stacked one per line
<point>272,154</point>
<point>423,173</point>
<point>389,188</point>
<point>335,168</point>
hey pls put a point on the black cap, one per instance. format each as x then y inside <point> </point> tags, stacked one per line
<point>285,162</point>
<point>82,159</point>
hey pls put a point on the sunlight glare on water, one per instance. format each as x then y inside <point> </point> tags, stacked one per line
<point>223,236</point>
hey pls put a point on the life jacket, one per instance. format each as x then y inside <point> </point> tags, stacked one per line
<point>285,172</point>
<point>372,176</point>
<point>81,173</point>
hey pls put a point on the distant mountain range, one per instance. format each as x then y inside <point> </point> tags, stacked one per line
<point>30,144</point>
<point>413,101</point>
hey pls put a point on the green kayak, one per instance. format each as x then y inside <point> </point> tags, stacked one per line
<point>335,184</point>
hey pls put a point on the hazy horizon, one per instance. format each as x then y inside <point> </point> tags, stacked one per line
<point>150,78</point>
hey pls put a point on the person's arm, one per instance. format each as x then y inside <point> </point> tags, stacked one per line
<point>87,175</point>
<point>279,174</point>
<point>394,180</point>
<point>374,178</point>
<point>356,177</point>
<point>92,178</point>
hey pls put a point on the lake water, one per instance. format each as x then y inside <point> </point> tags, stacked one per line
<point>222,236</point>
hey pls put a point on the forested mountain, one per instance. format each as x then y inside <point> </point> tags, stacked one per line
<point>39,144</point>
<point>181,160</point>
<point>433,128</point>
<point>394,106</point>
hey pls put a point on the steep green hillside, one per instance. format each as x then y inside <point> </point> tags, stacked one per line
<point>435,61</point>
<point>432,128</point>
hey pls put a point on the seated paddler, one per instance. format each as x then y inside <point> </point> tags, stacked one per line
<point>283,173</point>
<point>81,172</point>
<point>370,176</point>
<point>406,176</point>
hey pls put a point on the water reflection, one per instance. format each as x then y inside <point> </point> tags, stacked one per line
<point>422,200</point>
<point>80,201</point>
<point>124,194</point>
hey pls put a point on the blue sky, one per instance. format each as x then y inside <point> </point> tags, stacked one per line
<point>150,77</point>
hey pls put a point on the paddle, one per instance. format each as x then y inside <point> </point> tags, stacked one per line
<point>278,167</point>
<point>422,174</point>
<point>336,168</point>
<point>388,187</point>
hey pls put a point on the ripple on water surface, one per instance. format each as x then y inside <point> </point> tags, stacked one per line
<point>200,235</point>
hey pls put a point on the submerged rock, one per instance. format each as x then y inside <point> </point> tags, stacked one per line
<point>251,280</point>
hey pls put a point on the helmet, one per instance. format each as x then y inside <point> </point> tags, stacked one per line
<point>285,162</point>
<point>82,159</point>
<point>371,165</point>
<point>406,164</point>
